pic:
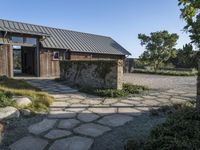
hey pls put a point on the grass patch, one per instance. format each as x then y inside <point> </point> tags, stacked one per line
<point>40,100</point>
<point>127,89</point>
<point>167,72</point>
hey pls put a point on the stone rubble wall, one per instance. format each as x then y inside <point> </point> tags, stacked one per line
<point>93,73</point>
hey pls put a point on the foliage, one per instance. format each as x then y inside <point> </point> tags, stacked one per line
<point>186,57</point>
<point>41,100</point>
<point>168,72</point>
<point>127,89</point>
<point>133,89</point>
<point>180,132</point>
<point>5,99</point>
<point>159,47</point>
<point>111,93</point>
<point>190,11</point>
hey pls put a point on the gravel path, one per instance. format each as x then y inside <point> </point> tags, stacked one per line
<point>162,81</point>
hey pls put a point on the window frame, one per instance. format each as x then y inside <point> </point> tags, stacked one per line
<point>54,52</point>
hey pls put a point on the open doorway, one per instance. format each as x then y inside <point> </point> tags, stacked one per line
<point>24,61</point>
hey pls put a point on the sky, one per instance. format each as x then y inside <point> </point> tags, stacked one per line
<point>122,20</point>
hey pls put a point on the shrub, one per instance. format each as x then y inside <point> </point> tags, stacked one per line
<point>127,89</point>
<point>181,131</point>
<point>5,99</point>
<point>111,93</point>
<point>133,89</point>
<point>2,78</point>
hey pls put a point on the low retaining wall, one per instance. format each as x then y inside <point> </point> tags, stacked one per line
<point>94,73</point>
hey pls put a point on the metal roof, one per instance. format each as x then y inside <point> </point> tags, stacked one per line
<point>66,39</point>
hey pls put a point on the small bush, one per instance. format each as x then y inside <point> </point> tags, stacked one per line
<point>181,131</point>
<point>111,93</point>
<point>5,99</point>
<point>133,89</point>
<point>2,78</point>
<point>127,89</point>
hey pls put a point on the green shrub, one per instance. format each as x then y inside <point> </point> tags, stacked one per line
<point>127,89</point>
<point>111,93</point>
<point>5,99</point>
<point>2,78</point>
<point>133,89</point>
<point>181,131</point>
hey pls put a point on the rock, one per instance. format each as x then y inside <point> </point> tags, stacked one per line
<point>22,101</point>
<point>25,112</point>
<point>91,129</point>
<point>29,143</point>
<point>72,143</point>
<point>9,112</point>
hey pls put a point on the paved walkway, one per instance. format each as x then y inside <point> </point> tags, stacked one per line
<point>76,119</point>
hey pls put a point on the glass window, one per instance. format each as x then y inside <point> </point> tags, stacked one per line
<point>16,39</point>
<point>32,41</point>
<point>56,55</point>
<point>67,55</point>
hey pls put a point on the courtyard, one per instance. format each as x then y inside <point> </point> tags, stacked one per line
<point>84,122</point>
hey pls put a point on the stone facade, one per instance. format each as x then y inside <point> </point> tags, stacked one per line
<point>94,73</point>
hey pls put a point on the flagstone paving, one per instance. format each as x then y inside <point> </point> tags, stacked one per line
<point>76,119</point>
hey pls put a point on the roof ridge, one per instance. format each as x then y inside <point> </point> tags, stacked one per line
<point>55,28</point>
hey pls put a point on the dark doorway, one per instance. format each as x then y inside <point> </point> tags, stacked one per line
<point>24,61</point>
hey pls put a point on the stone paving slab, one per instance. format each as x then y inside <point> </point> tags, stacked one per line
<point>115,120</point>
<point>61,114</point>
<point>42,126</point>
<point>68,123</point>
<point>29,143</point>
<point>72,143</point>
<point>91,129</point>
<point>56,133</point>
<point>87,116</point>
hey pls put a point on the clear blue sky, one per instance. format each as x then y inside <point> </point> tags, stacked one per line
<point>120,19</point>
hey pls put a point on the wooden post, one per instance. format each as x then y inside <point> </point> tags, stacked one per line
<point>198,88</point>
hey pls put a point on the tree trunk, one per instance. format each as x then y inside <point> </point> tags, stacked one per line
<point>198,88</point>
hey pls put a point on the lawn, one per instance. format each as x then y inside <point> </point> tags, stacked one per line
<point>9,87</point>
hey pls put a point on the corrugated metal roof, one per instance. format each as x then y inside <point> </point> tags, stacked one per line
<point>67,39</point>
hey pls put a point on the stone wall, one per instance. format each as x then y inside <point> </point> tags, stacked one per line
<point>94,73</point>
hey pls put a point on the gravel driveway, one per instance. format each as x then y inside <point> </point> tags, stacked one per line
<point>162,82</point>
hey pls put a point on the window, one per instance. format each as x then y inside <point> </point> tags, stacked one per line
<point>16,39</point>
<point>67,56</point>
<point>32,41</point>
<point>56,55</point>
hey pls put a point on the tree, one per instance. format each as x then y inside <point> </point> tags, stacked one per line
<point>186,57</point>
<point>190,11</point>
<point>159,47</point>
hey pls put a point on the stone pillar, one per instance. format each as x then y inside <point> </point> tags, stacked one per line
<point>119,74</point>
<point>198,88</point>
